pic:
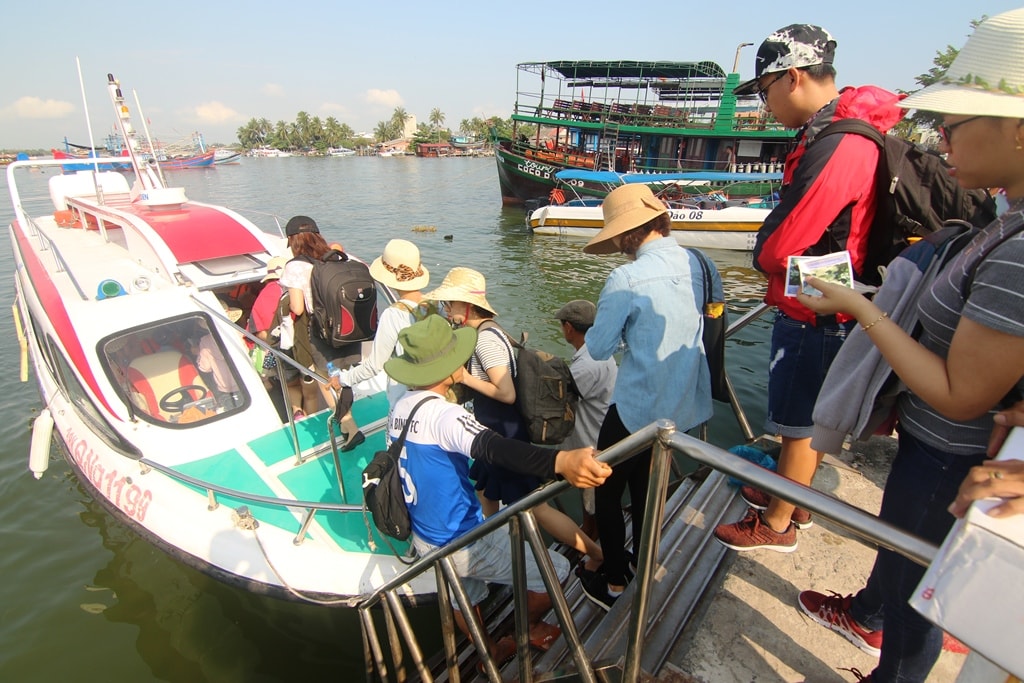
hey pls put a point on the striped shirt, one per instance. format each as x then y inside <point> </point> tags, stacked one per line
<point>994,298</point>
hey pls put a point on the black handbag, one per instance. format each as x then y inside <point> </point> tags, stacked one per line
<point>383,495</point>
<point>715,326</point>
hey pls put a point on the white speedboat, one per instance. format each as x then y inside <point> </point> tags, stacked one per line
<point>729,227</point>
<point>126,305</point>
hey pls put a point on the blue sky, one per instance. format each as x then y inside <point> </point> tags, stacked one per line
<point>211,66</point>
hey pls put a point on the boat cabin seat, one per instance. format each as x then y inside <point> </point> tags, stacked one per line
<point>164,384</point>
<point>81,184</point>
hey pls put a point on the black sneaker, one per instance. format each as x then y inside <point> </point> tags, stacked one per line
<point>595,587</point>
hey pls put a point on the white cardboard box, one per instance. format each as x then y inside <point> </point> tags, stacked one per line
<point>974,589</point>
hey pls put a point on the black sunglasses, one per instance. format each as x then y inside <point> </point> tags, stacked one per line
<point>762,91</point>
<point>947,131</point>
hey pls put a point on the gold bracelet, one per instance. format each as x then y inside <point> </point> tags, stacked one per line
<point>874,322</point>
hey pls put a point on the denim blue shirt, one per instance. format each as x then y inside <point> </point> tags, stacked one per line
<point>651,309</point>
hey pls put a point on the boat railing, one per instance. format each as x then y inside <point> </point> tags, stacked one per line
<point>523,529</point>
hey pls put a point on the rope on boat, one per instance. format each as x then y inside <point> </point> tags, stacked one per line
<point>245,521</point>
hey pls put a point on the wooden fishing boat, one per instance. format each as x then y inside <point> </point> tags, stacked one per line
<point>629,116</point>
<point>127,306</point>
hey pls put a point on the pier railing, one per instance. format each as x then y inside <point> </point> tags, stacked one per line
<point>523,530</point>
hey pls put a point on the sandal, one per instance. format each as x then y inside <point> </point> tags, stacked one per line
<point>543,635</point>
<point>504,652</point>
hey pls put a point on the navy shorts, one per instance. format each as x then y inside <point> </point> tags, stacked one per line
<point>800,357</point>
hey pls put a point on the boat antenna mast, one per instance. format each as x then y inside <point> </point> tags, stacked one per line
<point>92,145</point>
<point>149,138</point>
<point>145,177</point>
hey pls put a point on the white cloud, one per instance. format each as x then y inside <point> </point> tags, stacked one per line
<point>35,108</point>
<point>216,113</point>
<point>334,109</point>
<point>272,89</point>
<point>384,98</point>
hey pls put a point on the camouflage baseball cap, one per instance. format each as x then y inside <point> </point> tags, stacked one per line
<point>793,46</point>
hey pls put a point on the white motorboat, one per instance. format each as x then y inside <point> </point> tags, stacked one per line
<point>124,294</point>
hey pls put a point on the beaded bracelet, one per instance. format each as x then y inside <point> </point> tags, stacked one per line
<point>874,322</point>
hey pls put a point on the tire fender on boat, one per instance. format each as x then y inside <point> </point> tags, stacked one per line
<point>39,451</point>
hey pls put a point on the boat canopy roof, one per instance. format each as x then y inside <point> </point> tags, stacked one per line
<point>612,177</point>
<point>624,69</point>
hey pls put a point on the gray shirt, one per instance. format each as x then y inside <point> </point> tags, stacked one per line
<point>595,379</point>
<point>994,298</point>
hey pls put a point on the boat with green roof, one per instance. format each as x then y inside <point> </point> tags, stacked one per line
<point>633,117</point>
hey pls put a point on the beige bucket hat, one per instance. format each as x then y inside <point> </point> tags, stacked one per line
<point>399,267</point>
<point>626,207</point>
<point>275,267</point>
<point>987,76</point>
<point>465,285</point>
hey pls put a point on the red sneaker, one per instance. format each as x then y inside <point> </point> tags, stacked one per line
<point>751,533</point>
<point>833,611</point>
<point>758,499</point>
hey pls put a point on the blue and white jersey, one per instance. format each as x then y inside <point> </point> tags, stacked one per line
<point>435,466</point>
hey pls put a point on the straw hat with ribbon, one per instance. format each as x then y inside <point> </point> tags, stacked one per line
<point>465,285</point>
<point>626,207</point>
<point>987,76</point>
<point>399,267</point>
<point>431,351</point>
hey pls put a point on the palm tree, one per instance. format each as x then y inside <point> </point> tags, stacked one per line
<point>398,119</point>
<point>436,121</point>
<point>382,133</point>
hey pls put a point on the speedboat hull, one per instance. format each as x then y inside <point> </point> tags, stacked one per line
<point>733,228</point>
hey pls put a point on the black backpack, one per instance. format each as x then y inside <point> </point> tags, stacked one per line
<point>546,393</point>
<point>344,299</point>
<point>915,195</point>
<point>383,495</point>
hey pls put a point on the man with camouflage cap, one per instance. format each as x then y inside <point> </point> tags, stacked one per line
<point>827,205</point>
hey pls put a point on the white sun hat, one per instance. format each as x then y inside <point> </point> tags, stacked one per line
<point>987,76</point>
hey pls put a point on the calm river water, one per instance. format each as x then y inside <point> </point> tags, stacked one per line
<point>83,599</point>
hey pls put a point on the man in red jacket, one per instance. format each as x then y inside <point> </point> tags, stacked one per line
<point>827,205</point>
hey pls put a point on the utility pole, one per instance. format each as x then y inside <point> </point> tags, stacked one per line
<point>736,62</point>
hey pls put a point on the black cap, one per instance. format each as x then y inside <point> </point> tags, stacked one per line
<point>299,224</point>
<point>791,47</point>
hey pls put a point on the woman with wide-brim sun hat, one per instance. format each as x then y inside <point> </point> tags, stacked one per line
<point>400,268</point>
<point>972,315</point>
<point>489,378</point>
<point>651,306</point>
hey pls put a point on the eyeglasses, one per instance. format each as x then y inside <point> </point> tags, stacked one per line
<point>762,91</point>
<point>947,131</point>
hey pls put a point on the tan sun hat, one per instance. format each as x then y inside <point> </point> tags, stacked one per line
<point>465,285</point>
<point>275,267</point>
<point>987,76</point>
<point>626,207</point>
<point>399,267</point>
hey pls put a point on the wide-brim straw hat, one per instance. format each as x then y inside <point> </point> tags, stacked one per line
<point>987,76</point>
<point>465,285</point>
<point>626,207</point>
<point>399,267</point>
<point>431,351</point>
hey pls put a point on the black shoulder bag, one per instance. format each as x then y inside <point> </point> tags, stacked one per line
<point>383,495</point>
<point>715,325</point>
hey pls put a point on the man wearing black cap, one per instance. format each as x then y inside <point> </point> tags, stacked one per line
<point>595,380</point>
<point>827,205</point>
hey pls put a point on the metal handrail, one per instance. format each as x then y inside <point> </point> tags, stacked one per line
<point>665,439</point>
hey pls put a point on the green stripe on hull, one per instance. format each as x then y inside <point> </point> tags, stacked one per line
<point>230,470</point>
<point>308,483</point>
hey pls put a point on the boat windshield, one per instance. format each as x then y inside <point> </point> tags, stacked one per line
<point>174,372</point>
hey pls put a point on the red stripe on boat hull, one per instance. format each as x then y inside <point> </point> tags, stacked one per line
<point>53,304</point>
